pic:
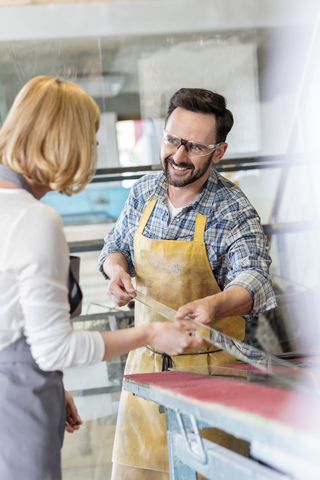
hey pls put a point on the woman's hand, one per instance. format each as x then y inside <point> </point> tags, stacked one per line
<point>73,420</point>
<point>173,338</point>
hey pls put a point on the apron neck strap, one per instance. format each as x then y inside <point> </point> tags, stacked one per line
<point>146,215</point>
<point>198,231</point>
<point>14,177</point>
<point>199,228</point>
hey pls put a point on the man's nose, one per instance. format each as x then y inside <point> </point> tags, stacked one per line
<point>181,154</point>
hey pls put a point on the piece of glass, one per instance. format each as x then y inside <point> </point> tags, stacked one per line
<point>306,381</point>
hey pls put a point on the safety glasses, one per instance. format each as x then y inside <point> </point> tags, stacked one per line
<point>193,149</point>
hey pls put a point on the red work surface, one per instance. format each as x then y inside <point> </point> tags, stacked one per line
<point>292,408</point>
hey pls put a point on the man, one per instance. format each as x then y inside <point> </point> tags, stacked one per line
<point>186,234</point>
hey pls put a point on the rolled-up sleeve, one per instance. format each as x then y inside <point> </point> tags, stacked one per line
<point>119,240</point>
<point>248,253</point>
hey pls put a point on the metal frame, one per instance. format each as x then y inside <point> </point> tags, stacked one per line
<point>269,229</point>
<point>230,165</point>
<point>284,453</point>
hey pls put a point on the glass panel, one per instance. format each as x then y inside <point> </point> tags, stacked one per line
<point>275,102</point>
<point>96,391</point>
<point>98,203</point>
<point>260,186</point>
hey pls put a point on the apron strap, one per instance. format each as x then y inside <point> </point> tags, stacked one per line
<point>167,360</point>
<point>199,228</point>
<point>14,177</point>
<point>146,215</point>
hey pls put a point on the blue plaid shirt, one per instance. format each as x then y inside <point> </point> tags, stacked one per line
<point>236,245</point>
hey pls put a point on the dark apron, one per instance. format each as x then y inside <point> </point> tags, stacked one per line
<point>32,402</point>
<point>32,417</point>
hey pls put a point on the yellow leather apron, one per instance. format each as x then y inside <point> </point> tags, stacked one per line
<point>174,273</point>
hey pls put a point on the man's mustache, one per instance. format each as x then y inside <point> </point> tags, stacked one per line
<point>181,165</point>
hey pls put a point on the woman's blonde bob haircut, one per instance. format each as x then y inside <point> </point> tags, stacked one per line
<point>49,134</point>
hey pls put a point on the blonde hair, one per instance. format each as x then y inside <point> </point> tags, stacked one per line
<point>49,134</point>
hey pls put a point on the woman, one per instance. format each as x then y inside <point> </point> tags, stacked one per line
<point>48,143</point>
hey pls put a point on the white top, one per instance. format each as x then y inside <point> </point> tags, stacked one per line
<point>173,211</point>
<point>34,266</point>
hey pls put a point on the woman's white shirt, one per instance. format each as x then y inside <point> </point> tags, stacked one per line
<point>34,266</point>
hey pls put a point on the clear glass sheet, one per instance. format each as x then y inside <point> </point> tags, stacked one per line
<point>98,203</point>
<point>306,381</point>
<point>116,71</point>
<point>96,392</point>
<point>287,102</point>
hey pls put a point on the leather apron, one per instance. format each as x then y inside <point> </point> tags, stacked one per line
<point>32,402</point>
<point>174,273</point>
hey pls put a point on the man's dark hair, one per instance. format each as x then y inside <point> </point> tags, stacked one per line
<point>199,100</point>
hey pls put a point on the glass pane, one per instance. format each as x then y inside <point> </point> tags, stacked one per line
<point>98,203</point>
<point>268,69</point>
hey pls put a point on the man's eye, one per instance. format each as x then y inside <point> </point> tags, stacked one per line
<point>195,147</point>
<point>172,141</point>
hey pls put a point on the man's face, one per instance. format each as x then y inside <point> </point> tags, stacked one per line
<point>179,168</point>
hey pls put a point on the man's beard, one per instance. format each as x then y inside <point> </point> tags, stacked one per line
<point>191,178</point>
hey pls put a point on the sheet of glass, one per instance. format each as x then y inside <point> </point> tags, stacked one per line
<point>96,392</point>
<point>98,203</point>
<point>236,79</point>
<point>288,373</point>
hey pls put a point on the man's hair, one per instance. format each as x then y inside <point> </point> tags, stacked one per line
<point>199,100</point>
<point>49,134</point>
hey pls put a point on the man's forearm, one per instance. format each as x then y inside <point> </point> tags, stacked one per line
<point>235,300</point>
<point>113,262</point>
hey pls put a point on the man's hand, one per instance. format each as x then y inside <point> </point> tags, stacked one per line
<point>73,420</point>
<point>233,301</point>
<point>120,289</point>
<point>202,311</point>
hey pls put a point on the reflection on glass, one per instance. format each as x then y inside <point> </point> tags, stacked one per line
<point>98,203</point>
<point>275,102</point>
<point>287,373</point>
<point>96,392</point>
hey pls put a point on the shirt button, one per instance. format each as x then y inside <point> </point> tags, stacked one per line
<point>178,219</point>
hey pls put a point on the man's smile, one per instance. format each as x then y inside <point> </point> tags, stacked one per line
<point>180,168</point>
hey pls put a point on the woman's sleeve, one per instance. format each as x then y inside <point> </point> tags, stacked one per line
<point>39,257</point>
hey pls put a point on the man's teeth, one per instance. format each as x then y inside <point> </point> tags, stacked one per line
<point>179,168</point>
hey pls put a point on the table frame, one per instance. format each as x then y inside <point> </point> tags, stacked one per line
<point>277,452</point>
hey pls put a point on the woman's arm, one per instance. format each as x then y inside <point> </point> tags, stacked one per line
<point>171,338</point>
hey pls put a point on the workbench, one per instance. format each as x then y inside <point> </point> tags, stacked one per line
<point>282,426</point>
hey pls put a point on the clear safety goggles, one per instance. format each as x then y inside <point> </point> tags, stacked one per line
<point>193,149</point>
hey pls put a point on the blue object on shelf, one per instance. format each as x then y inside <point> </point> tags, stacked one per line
<point>92,205</point>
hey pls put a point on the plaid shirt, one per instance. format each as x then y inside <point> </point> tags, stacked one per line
<point>236,245</point>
